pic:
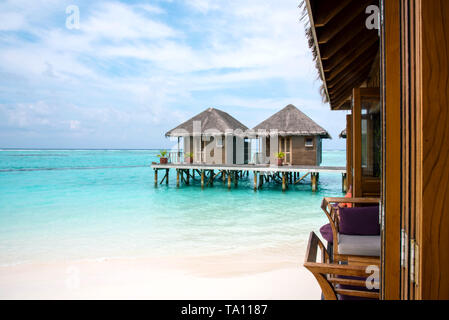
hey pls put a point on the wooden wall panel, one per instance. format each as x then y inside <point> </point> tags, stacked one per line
<point>302,155</point>
<point>432,68</point>
<point>391,176</point>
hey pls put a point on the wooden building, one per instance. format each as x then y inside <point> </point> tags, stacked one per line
<point>213,137</point>
<point>387,64</point>
<point>296,135</point>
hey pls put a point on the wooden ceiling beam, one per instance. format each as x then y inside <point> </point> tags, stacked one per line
<point>347,90</point>
<point>349,35</point>
<point>328,10</point>
<point>356,60</point>
<point>351,78</point>
<point>361,45</point>
<point>347,73</point>
<point>353,12</point>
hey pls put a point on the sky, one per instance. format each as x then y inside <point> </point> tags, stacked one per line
<point>133,70</point>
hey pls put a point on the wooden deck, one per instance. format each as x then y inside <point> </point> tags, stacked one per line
<point>249,167</point>
<point>208,174</point>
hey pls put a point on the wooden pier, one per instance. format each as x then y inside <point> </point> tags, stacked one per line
<point>229,174</point>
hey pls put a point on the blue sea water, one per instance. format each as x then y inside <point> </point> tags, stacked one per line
<point>62,205</point>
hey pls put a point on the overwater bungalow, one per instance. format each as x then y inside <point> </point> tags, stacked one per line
<point>294,134</point>
<point>211,137</point>
<point>385,63</point>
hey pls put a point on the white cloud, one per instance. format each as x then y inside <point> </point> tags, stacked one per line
<point>138,65</point>
<point>116,21</point>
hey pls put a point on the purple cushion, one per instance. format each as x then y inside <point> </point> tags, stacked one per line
<point>326,233</point>
<point>362,221</point>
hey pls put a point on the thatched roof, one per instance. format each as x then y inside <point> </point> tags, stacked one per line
<point>212,120</point>
<point>343,134</point>
<point>345,51</point>
<point>290,121</point>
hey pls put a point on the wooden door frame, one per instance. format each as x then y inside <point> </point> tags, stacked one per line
<point>391,146</point>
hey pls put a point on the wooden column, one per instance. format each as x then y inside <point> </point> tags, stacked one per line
<point>284,186</point>
<point>344,183</point>
<point>212,176</point>
<point>357,143</point>
<point>349,152</point>
<point>229,180</point>
<point>167,173</point>
<point>155,177</point>
<point>223,176</point>
<point>255,180</point>
<point>177,178</point>
<point>236,178</point>
<point>391,149</point>
<point>188,177</point>
<point>202,178</point>
<point>314,182</point>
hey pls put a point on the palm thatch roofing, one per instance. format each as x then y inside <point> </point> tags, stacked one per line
<point>343,134</point>
<point>290,121</point>
<point>344,49</point>
<point>212,121</point>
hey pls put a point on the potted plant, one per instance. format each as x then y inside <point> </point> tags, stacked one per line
<point>163,157</point>
<point>280,157</point>
<point>188,157</point>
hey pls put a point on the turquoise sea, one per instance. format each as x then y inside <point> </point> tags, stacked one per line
<point>60,205</point>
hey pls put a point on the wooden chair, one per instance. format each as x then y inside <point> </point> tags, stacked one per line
<point>337,281</point>
<point>344,247</point>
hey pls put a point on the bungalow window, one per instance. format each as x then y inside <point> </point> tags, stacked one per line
<point>309,142</point>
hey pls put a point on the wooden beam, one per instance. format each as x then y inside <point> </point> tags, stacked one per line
<point>358,59</point>
<point>314,182</point>
<point>357,191</point>
<point>331,48</point>
<point>255,180</point>
<point>302,178</point>
<point>349,156</point>
<point>354,12</point>
<point>202,178</point>
<point>328,10</point>
<point>344,55</point>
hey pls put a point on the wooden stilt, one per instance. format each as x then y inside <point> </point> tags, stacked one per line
<point>155,177</point>
<point>236,179</point>
<point>167,176</point>
<point>223,176</point>
<point>284,186</point>
<point>188,177</point>
<point>290,178</point>
<point>255,180</point>
<point>229,180</point>
<point>314,182</point>
<point>177,178</point>
<point>202,178</point>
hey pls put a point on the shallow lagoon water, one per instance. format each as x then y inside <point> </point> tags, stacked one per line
<point>62,205</point>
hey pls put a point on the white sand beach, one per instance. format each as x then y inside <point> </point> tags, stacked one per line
<point>146,279</point>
